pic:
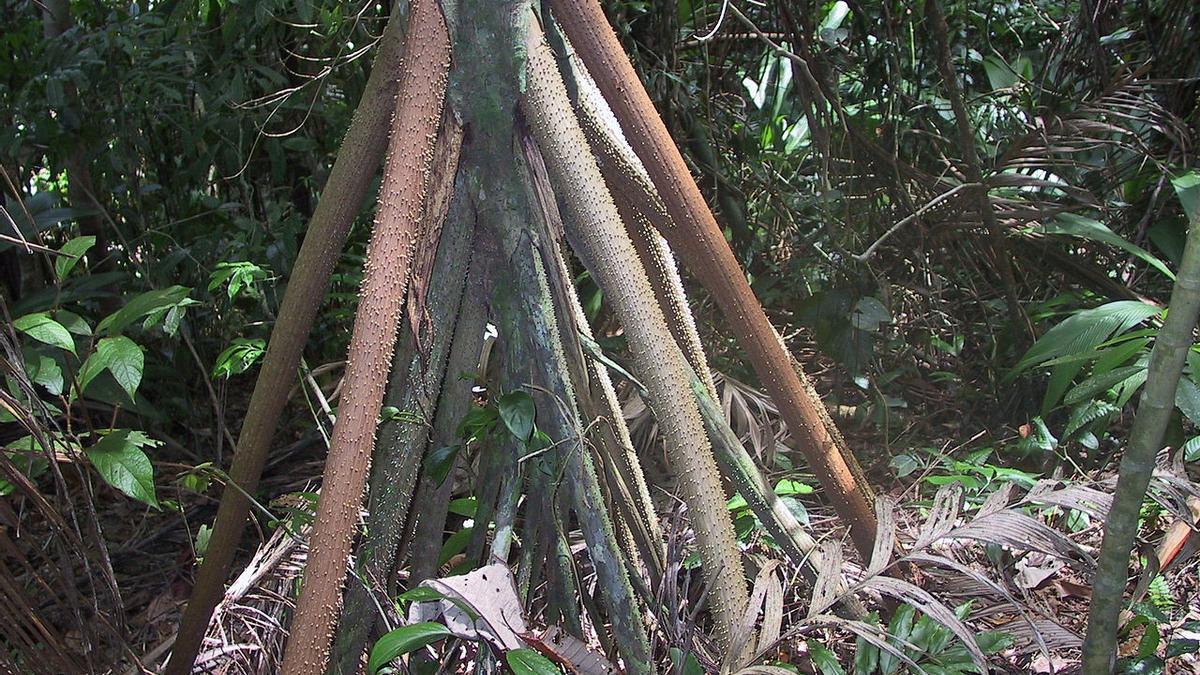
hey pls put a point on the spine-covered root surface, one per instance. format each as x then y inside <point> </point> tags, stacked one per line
<point>599,237</point>
<point>385,281</point>
<point>700,243</point>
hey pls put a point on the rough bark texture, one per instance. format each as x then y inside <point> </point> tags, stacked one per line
<point>455,402</point>
<point>416,381</point>
<point>384,285</point>
<point>350,179</point>
<point>602,242</point>
<point>699,241</point>
<point>629,494</point>
<point>642,210</point>
<point>534,349</point>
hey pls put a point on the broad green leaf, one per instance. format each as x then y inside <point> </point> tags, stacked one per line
<point>404,640</point>
<point>454,545</point>
<point>999,73</point>
<point>42,328</point>
<point>142,305</point>
<point>1191,449</point>
<point>868,314</point>
<point>463,506</point>
<point>516,410</point>
<point>71,252</point>
<point>73,322</point>
<point>1087,228</point>
<point>1088,413</point>
<point>239,357</point>
<point>121,463</point>
<point>529,662</point>
<point>1038,440</point>
<point>1187,187</point>
<point>824,659</point>
<point>1087,329</point>
<point>899,629</point>
<point>904,465</point>
<point>1187,399</point>
<point>1098,384</point>
<point>419,594</point>
<point>1060,380</point>
<point>438,463</point>
<point>118,355</point>
<point>736,502</point>
<point>685,663</point>
<point>792,487</point>
<point>46,372</point>
<point>799,511</point>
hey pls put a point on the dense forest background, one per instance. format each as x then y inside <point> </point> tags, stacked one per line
<point>965,219</point>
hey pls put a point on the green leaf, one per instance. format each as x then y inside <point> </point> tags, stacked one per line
<point>904,465</point>
<point>1187,399</point>
<point>438,463</point>
<point>792,487</point>
<point>463,506</point>
<point>1084,415</point>
<point>454,545</point>
<point>868,314</point>
<point>1187,187</point>
<point>685,663</point>
<point>516,410</point>
<point>529,662</point>
<point>824,659</point>
<point>1039,440</point>
<point>1098,384</point>
<point>992,641</point>
<point>999,73</point>
<point>1087,228</point>
<point>419,594</point>
<point>899,629</point>
<point>404,640</point>
<point>240,356</point>
<point>45,371</point>
<point>73,322</point>
<point>118,355</point>
<point>141,305</point>
<point>121,463</point>
<point>799,511</point>
<point>71,252</point>
<point>1087,329</point>
<point>42,328</point>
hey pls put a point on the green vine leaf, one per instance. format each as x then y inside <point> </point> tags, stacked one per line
<point>120,461</point>
<point>42,328</point>
<point>72,252</point>
<point>118,355</point>
<point>517,412</point>
<point>404,640</point>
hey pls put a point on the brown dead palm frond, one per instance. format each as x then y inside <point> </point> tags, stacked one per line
<point>249,626</point>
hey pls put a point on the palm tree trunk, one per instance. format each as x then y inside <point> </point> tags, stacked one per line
<point>1145,440</point>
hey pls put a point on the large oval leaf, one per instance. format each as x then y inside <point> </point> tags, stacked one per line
<point>404,640</point>
<point>42,328</point>
<point>516,409</point>
<point>123,465</point>
<point>529,662</point>
<point>118,355</point>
